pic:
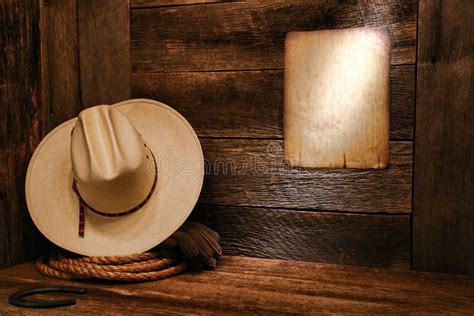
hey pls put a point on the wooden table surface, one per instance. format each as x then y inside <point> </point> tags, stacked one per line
<point>246,285</point>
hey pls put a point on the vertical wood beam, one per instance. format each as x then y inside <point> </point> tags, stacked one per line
<point>104,50</point>
<point>443,216</point>
<point>57,57</point>
<point>61,92</point>
<point>22,124</point>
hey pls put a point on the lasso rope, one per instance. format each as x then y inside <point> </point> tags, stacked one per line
<point>193,245</point>
<point>140,267</point>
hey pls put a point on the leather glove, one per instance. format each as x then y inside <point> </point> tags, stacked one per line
<point>194,243</point>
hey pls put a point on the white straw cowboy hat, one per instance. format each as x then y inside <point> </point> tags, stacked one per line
<point>117,180</point>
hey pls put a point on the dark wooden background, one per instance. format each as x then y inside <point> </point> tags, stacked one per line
<point>219,63</point>
<point>443,221</point>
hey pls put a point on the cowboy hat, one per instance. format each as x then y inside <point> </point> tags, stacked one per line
<point>116,180</point>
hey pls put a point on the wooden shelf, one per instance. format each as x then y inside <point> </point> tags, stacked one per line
<point>248,285</point>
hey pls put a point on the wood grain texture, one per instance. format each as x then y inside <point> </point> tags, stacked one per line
<point>250,35</point>
<point>359,239</point>
<point>60,82</point>
<point>402,102</point>
<point>243,104</point>
<point>259,286</point>
<point>48,57</point>
<point>443,222</point>
<point>163,3</point>
<point>220,104</point>
<point>104,49</point>
<point>253,173</point>
<point>337,96</point>
<point>22,124</point>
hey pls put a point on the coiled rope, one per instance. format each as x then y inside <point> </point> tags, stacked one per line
<point>141,267</point>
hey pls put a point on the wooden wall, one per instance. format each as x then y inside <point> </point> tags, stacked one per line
<point>221,65</point>
<point>23,124</point>
<point>443,222</point>
<point>58,57</point>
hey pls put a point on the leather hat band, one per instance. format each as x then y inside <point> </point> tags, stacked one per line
<point>83,205</point>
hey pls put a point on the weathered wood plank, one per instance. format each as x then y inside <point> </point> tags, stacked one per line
<point>260,286</point>
<point>443,222</point>
<point>104,49</point>
<point>366,240</point>
<point>250,103</point>
<point>163,3</point>
<point>250,35</point>
<point>402,102</point>
<point>220,104</point>
<point>22,124</point>
<point>250,172</point>
<point>60,86</point>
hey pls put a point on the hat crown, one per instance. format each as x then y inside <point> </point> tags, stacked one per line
<point>112,167</point>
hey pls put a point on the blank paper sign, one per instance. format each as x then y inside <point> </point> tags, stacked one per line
<point>337,98</point>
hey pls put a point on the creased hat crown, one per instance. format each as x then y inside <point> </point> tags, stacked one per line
<point>112,166</point>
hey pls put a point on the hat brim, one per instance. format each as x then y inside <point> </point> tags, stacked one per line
<point>54,207</point>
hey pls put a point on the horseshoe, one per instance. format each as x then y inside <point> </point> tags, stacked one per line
<point>17,297</point>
